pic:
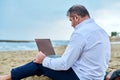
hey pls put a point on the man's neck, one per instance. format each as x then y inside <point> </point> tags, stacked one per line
<point>84,18</point>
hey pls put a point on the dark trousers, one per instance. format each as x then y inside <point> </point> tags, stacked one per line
<point>31,69</point>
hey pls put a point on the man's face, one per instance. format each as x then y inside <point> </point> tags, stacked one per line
<point>75,19</point>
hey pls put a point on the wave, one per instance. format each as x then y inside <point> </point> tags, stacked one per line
<point>26,45</point>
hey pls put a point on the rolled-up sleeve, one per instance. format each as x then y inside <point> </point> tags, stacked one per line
<point>70,56</point>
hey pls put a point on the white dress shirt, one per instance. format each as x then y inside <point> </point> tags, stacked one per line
<point>88,52</point>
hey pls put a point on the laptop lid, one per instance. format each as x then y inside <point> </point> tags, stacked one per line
<point>45,46</point>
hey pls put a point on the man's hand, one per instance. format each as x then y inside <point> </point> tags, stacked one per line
<point>39,58</point>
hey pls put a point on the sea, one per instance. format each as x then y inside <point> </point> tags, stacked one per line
<point>16,46</point>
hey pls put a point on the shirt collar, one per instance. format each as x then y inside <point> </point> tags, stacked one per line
<point>84,22</point>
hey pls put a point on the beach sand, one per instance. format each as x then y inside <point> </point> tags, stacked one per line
<point>11,59</point>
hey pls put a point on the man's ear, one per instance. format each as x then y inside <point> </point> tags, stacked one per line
<point>77,18</point>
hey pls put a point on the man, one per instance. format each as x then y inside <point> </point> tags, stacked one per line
<point>85,58</point>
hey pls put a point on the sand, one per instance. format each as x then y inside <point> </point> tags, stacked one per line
<point>11,59</point>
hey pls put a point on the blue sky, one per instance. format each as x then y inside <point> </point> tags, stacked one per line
<point>29,19</point>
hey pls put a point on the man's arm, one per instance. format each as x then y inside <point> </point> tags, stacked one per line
<point>70,56</point>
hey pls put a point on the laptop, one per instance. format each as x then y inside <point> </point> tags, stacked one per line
<point>46,47</point>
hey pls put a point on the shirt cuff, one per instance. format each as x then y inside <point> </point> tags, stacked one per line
<point>45,62</point>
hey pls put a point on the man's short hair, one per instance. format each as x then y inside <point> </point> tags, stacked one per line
<point>79,10</point>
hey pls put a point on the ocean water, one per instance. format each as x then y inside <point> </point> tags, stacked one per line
<point>15,46</point>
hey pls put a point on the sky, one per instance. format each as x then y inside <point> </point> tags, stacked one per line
<point>30,19</point>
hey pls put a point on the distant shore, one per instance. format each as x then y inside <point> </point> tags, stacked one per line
<point>16,41</point>
<point>112,39</point>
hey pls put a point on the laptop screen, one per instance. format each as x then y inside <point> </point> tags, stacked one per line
<point>45,46</point>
